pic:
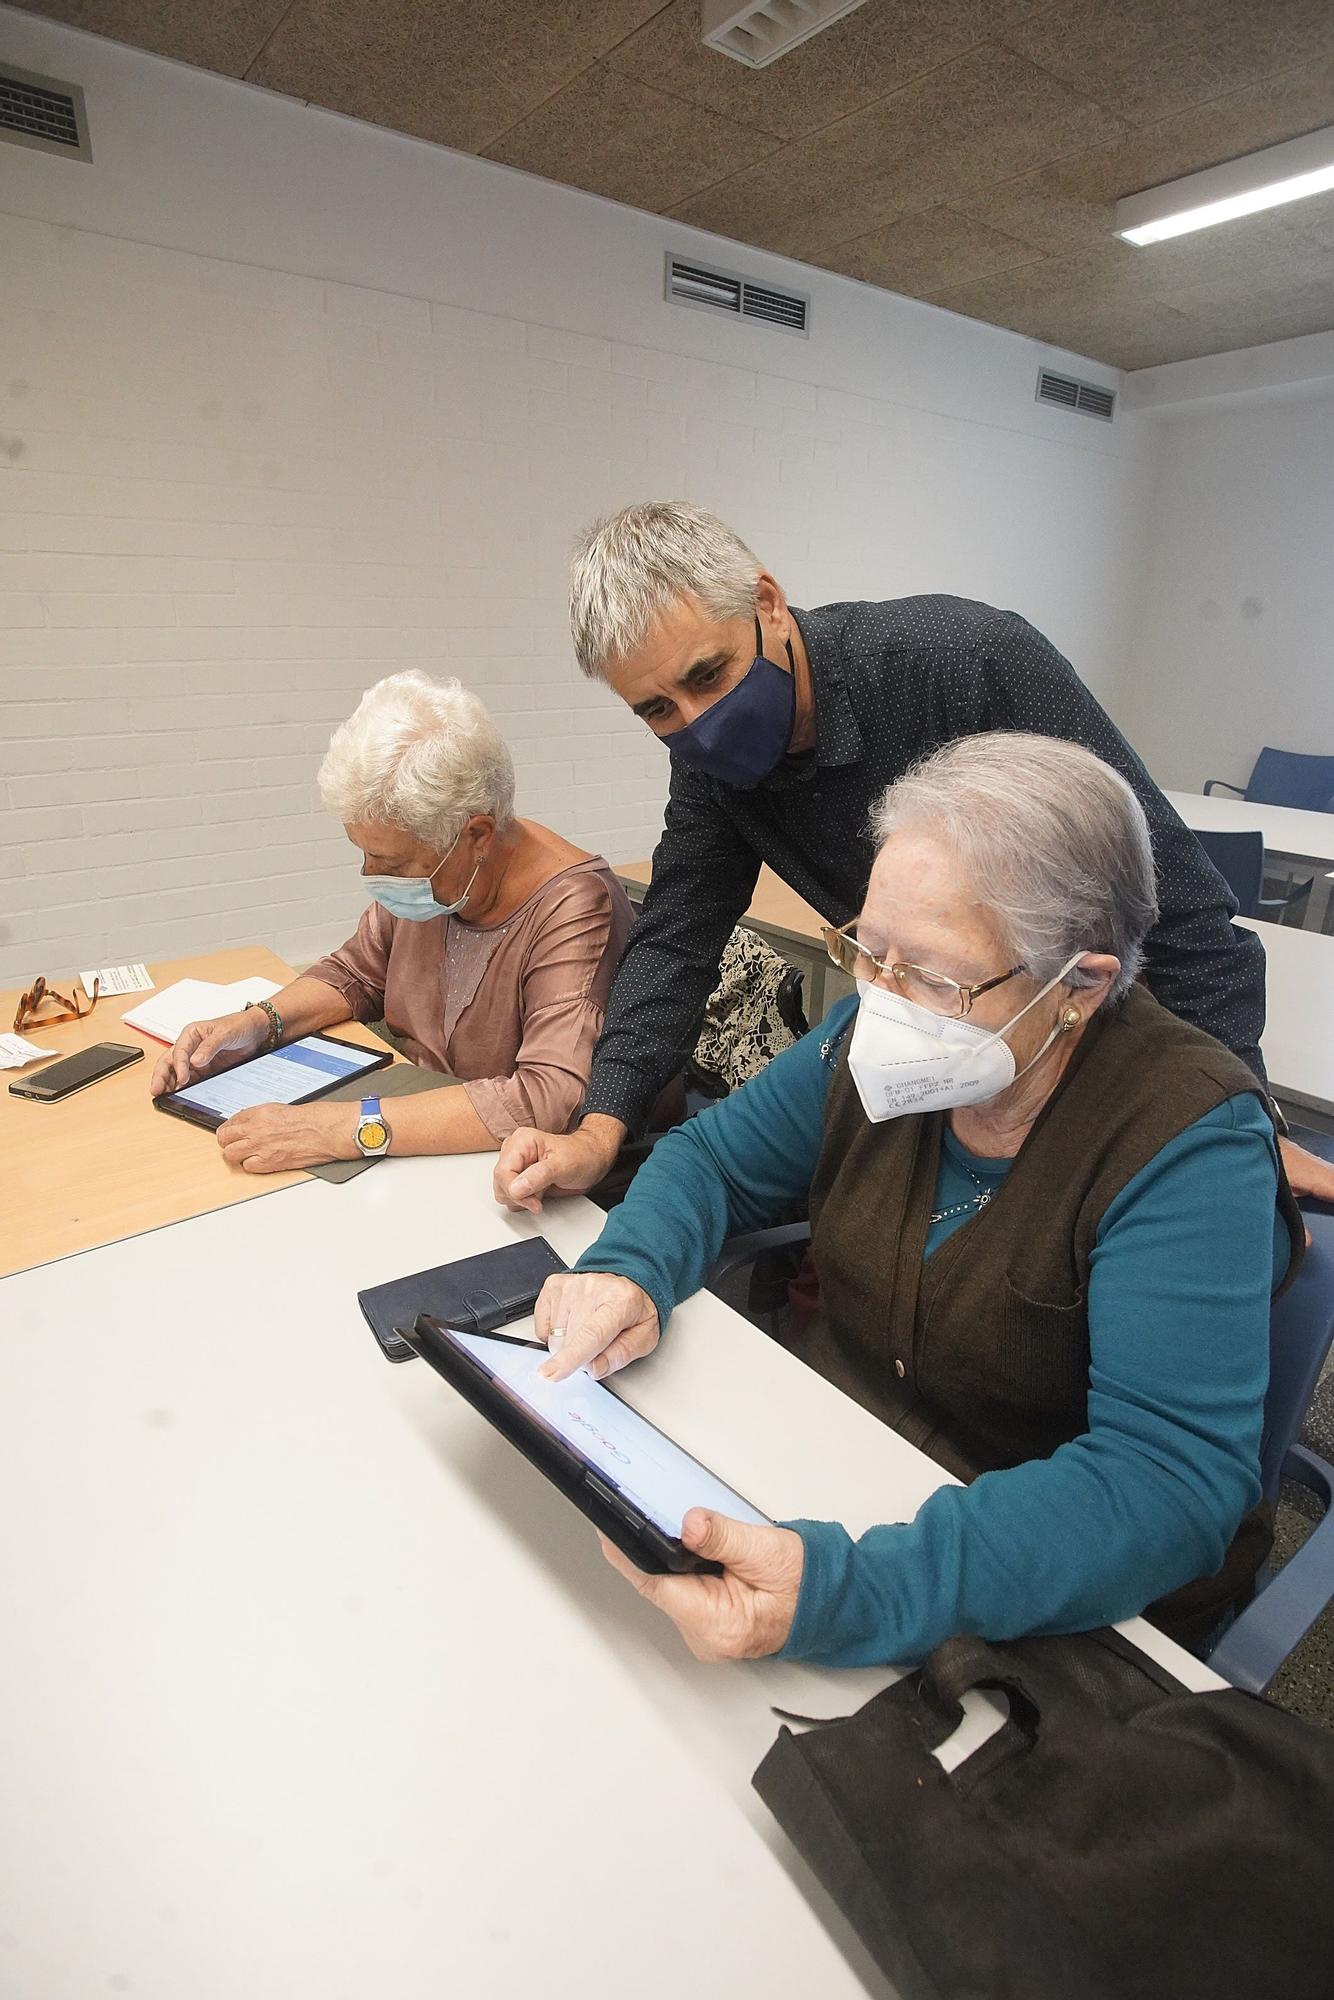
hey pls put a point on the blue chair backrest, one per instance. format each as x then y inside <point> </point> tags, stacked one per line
<point>1240,860</point>
<point>1291,778</point>
<point>1301,1329</point>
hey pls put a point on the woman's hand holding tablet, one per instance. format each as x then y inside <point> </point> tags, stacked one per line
<point>745,1613</point>
<point>599,1322</point>
<point>294,1074</point>
<point>278,1138</point>
<point>726,1576</point>
<point>262,1109</point>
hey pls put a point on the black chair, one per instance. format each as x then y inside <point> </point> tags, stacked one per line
<point>1288,1601</point>
<point>1240,860</point>
<point>1285,778</point>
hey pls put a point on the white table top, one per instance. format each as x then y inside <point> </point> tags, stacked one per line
<point>1298,1041</point>
<point>1307,836</point>
<point>311,1686</point>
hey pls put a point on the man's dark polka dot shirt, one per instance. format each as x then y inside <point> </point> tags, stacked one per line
<point>892,682</point>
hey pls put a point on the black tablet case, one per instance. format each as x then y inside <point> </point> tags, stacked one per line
<point>477,1293</point>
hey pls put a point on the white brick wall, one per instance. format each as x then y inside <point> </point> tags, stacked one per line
<point>232,496</point>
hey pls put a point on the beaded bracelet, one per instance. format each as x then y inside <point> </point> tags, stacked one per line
<point>275,1024</point>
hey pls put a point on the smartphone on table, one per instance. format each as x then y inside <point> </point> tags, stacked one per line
<point>62,1079</point>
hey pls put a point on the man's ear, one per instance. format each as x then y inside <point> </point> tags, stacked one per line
<point>771,607</point>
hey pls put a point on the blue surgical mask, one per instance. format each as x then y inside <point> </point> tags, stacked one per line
<point>410,896</point>
<point>741,738</point>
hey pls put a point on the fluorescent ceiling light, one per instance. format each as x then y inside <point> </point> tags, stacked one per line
<point>1289,172</point>
<point>757,32</point>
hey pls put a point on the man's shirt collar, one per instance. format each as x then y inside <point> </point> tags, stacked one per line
<point>838,736</point>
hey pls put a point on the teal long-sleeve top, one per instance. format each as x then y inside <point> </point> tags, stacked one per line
<point>1145,1500</point>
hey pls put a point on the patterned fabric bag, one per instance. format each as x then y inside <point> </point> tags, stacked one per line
<point>752,1015</point>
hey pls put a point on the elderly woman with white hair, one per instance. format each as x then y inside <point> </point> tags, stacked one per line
<point>1047,1218</point>
<point>488,947</point>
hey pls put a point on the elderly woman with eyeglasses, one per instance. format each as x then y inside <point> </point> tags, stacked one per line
<point>1047,1219</point>
<point>488,946</point>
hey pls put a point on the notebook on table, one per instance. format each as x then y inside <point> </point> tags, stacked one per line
<point>163,1015</point>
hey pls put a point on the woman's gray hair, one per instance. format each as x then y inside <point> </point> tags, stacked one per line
<point>421,755</point>
<point>1048,838</point>
<point>633,566</point>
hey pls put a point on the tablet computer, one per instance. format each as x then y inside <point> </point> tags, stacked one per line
<point>295,1074</point>
<point>627,1476</point>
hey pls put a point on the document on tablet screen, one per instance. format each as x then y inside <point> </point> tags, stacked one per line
<point>280,1078</point>
<point>654,1474</point>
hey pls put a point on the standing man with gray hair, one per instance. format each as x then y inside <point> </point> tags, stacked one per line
<point>784,727</point>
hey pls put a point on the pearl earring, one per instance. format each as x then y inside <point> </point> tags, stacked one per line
<point>1070,1018</point>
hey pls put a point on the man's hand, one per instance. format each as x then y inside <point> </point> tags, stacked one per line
<point>206,1046</point>
<point>744,1614</point>
<point>533,1163</point>
<point>592,1320</point>
<point>272,1138</point>
<point>1307,1172</point>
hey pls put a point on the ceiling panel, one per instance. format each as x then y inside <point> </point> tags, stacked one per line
<point>1233,287</point>
<point>981,118</point>
<point>966,151</point>
<point>868,55</point>
<point>448,70</point>
<point>1150,59</point>
<point>619,138</point>
<point>222,35</point>
<point>939,247</point>
<point>1070,204</point>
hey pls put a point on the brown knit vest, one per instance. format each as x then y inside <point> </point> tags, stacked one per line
<point>980,1356</point>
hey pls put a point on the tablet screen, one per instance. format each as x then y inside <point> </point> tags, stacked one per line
<point>285,1076</point>
<point>622,1447</point>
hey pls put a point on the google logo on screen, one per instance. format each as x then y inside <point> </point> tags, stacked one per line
<point>586,1424</point>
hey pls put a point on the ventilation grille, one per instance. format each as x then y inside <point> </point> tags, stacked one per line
<point>762,30</point>
<point>779,308</point>
<point>38,111</point>
<point>1087,397</point>
<point>691,284</point>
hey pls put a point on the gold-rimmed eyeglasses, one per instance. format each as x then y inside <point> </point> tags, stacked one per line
<point>935,990</point>
<point>40,995</point>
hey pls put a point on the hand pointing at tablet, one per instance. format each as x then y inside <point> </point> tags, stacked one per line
<point>595,1321</point>
<point>206,1046</point>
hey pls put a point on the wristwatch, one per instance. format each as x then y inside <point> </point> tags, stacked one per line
<point>372,1134</point>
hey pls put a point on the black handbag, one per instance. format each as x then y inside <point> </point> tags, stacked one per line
<point>1118,1838</point>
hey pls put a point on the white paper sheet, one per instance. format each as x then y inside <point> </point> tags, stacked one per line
<point>117,979</point>
<point>15,1052</point>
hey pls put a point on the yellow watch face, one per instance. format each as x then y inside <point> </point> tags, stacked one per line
<point>372,1133</point>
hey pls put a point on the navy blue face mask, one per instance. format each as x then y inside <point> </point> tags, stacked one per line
<point>742,737</point>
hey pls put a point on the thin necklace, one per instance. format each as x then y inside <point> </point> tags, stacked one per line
<point>980,1199</point>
